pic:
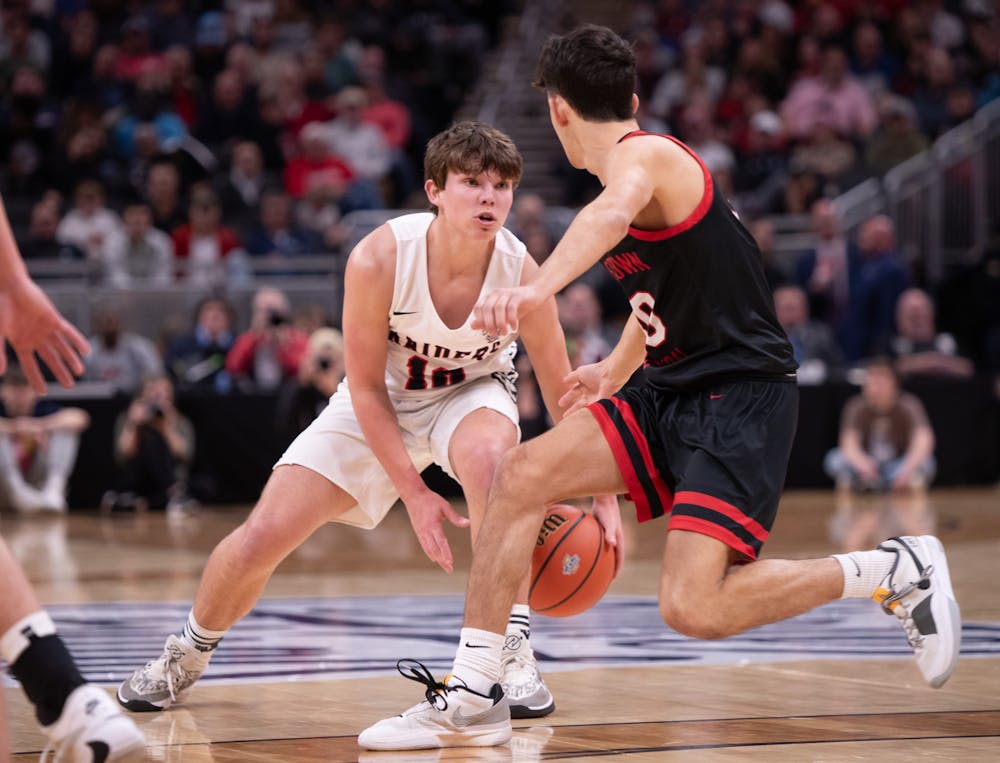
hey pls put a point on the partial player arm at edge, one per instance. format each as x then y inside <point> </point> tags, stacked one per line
<point>545,343</point>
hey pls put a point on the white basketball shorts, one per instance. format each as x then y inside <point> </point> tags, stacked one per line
<point>334,446</point>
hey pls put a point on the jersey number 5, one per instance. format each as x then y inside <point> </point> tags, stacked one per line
<point>439,377</point>
<point>642,303</point>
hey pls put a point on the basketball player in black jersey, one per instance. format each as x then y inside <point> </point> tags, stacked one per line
<point>705,440</point>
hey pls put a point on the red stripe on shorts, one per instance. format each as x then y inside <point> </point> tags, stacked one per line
<point>666,497</point>
<point>624,461</point>
<point>713,530</point>
<point>749,524</point>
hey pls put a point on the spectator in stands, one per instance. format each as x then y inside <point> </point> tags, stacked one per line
<point>580,316</point>
<point>815,348</point>
<point>276,236</point>
<point>143,255</point>
<point>21,46</point>
<point>698,132</point>
<point>204,244</point>
<point>762,231</point>
<point>360,143</point>
<point>317,172</point>
<point>163,194</point>
<point>27,120</point>
<point>135,52</point>
<point>38,445</point>
<point>153,446</point>
<point>300,400</point>
<point>879,275</point>
<point>229,115</point>
<point>197,360</point>
<point>824,271</point>
<point>833,97</point>
<point>874,67</point>
<point>931,97</point>
<point>338,51</point>
<point>73,55</point>
<point>762,171</point>
<point>118,356</point>
<point>886,442</point>
<point>393,118</point>
<point>82,151</point>
<point>41,241</point>
<point>183,89</point>
<point>828,155</point>
<point>917,347</point>
<point>240,189</point>
<point>530,213</point>
<point>90,225</point>
<point>897,138</point>
<point>271,350</point>
<point>148,105</point>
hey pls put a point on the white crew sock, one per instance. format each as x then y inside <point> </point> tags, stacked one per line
<point>17,638</point>
<point>201,639</point>
<point>518,635</point>
<point>864,572</point>
<point>477,661</point>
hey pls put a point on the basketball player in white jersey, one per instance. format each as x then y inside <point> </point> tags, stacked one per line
<point>436,392</point>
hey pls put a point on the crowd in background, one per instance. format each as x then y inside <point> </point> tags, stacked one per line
<point>175,141</point>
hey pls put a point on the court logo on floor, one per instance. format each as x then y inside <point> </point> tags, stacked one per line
<point>325,638</point>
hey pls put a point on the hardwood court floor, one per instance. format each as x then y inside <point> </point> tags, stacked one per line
<point>764,707</point>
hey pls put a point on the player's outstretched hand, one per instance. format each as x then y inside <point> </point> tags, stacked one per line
<point>498,312</point>
<point>32,325</point>
<point>427,513</point>
<point>587,384</point>
<point>605,508</point>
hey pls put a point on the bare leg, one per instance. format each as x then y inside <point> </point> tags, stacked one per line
<point>476,447</point>
<point>18,597</point>
<point>703,595</point>
<point>295,502</point>
<point>529,477</point>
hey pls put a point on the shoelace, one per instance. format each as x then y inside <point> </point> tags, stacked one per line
<point>522,667</point>
<point>913,635</point>
<point>434,691</point>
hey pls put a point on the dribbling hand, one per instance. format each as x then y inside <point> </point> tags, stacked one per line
<point>587,384</point>
<point>605,508</point>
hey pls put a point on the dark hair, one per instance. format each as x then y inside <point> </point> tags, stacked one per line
<point>883,364</point>
<point>471,148</point>
<point>593,69</point>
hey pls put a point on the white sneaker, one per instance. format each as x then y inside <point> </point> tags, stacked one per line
<point>163,681</point>
<point>452,715</point>
<point>527,694</point>
<point>918,591</point>
<point>92,729</point>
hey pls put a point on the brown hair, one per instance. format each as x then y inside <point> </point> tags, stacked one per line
<point>471,148</point>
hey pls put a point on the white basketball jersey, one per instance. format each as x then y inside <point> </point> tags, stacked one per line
<point>424,354</point>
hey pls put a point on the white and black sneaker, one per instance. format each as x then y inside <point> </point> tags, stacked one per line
<point>93,729</point>
<point>162,682</point>
<point>918,591</point>
<point>527,694</point>
<point>451,715</point>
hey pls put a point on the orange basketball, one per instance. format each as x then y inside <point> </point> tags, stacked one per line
<point>572,565</point>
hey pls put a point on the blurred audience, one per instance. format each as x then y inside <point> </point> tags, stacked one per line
<point>196,360</point>
<point>301,399</point>
<point>917,347</point>
<point>815,348</point>
<point>204,244</point>
<point>143,255</point>
<point>886,442</point>
<point>154,445</point>
<point>271,350</point>
<point>118,356</point>
<point>38,445</point>
<point>91,226</point>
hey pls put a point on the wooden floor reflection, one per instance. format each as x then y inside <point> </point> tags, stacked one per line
<point>807,710</point>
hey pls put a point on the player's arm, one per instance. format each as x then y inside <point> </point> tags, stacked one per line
<point>600,380</point>
<point>30,322</point>
<point>66,420</point>
<point>544,341</point>
<point>368,288</point>
<point>629,187</point>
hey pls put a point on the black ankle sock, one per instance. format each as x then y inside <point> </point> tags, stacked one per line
<point>48,674</point>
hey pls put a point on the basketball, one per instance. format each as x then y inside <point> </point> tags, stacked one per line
<point>572,565</point>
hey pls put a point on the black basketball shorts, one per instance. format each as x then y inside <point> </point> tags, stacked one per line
<point>714,459</point>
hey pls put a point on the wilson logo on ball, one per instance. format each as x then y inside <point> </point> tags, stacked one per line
<point>571,563</point>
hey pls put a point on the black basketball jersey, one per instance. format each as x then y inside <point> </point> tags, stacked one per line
<point>699,291</point>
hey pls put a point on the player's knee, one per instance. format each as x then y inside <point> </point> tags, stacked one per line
<point>518,476</point>
<point>691,616</point>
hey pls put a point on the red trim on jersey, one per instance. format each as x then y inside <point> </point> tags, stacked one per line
<point>699,211</point>
<point>716,504</point>
<point>704,527</point>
